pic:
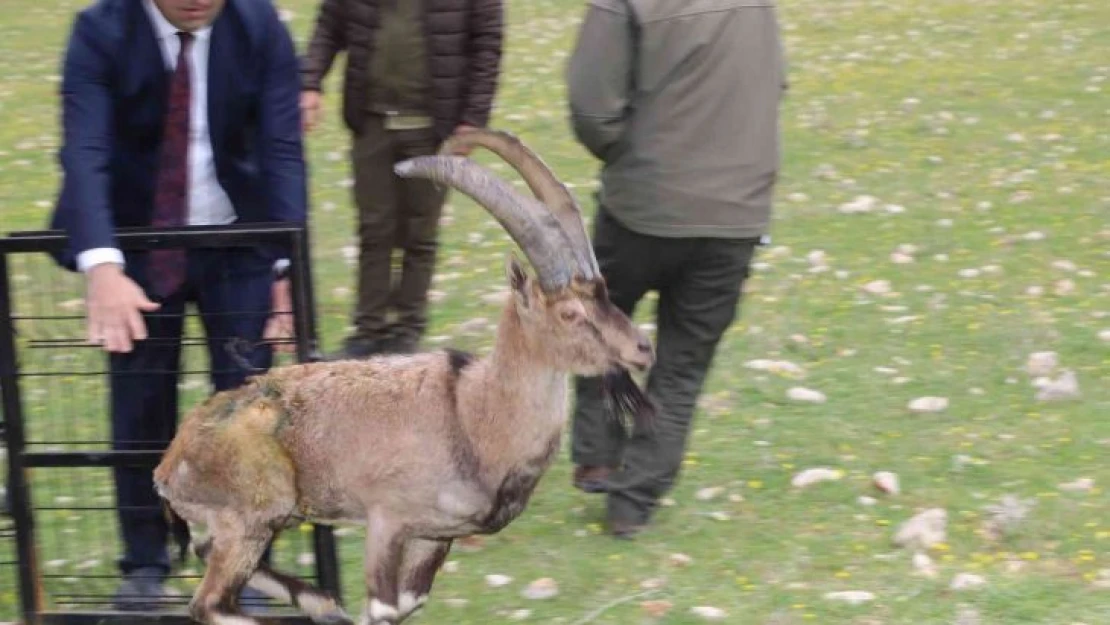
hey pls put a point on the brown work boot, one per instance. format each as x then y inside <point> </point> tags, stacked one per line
<point>591,479</point>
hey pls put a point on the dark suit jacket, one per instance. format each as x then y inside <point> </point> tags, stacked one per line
<point>114,95</point>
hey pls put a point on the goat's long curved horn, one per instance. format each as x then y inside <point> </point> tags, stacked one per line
<point>534,229</point>
<point>541,180</point>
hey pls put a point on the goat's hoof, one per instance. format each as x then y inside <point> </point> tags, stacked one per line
<point>333,618</point>
<point>323,609</point>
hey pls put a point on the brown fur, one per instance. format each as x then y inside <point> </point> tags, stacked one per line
<point>422,449</point>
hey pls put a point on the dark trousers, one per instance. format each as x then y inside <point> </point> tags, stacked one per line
<point>232,291</point>
<point>699,282</point>
<point>394,212</point>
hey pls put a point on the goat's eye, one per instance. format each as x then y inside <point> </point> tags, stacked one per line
<point>568,315</point>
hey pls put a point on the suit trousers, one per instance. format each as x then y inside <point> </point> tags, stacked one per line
<point>394,213</point>
<point>699,282</point>
<point>232,292</point>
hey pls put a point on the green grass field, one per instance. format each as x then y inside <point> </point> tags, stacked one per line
<point>943,212</point>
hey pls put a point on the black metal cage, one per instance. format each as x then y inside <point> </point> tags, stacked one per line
<point>58,548</point>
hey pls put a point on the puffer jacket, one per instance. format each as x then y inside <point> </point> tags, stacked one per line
<point>464,39</point>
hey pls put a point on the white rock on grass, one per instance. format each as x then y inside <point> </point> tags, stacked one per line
<point>816,475</point>
<point>1064,387</point>
<point>922,531</point>
<point>706,494</point>
<point>1102,581</point>
<point>497,581</point>
<point>709,613</point>
<point>851,597</point>
<point>923,565</point>
<point>1104,336</point>
<point>680,559</point>
<point>967,581</point>
<point>775,366</point>
<point>878,287</point>
<point>1041,363</point>
<point>807,395</point>
<point>928,404</point>
<point>887,482</point>
<point>542,588</point>
<point>1003,517</point>
<point>861,204</point>
<point>350,253</point>
<point>1082,485</point>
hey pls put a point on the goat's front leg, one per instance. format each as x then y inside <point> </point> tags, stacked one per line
<point>384,553</point>
<point>232,555</point>
<point>419,566</point>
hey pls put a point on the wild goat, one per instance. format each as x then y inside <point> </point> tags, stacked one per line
<point>422,448</point>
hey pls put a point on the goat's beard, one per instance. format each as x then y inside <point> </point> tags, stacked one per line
<point>627,402</point>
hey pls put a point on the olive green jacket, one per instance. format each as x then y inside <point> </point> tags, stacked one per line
<point>680,101</point>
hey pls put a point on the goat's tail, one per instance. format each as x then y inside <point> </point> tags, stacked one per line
<point>179,531</point>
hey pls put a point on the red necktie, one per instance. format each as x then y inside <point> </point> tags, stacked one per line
<point>171,195</point>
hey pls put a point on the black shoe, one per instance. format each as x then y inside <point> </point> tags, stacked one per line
<point>591,479</point>
<point>401,344</point>
<point>358,349</point>
<point>141,591</point>
<point>625,531</point>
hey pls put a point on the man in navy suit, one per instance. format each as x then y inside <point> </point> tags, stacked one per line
<point>175,112</point>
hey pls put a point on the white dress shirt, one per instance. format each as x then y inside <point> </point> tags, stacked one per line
<point>208,204</point>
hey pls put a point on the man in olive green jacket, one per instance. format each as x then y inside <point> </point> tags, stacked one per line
<point>680,102</point>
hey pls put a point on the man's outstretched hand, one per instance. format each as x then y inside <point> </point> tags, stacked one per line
<point>279,327</point>
<point>114,305</point>
<point>462,129</point>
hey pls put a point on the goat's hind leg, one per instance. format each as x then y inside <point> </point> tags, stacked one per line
<point>320,606</point>
<point>231,555</point>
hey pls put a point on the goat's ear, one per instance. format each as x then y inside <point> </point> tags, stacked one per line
<point>515,272</point>
<point>518,280</point>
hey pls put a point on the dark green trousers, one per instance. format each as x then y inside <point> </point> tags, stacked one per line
<point>394,213</point>
<point>699,282</point>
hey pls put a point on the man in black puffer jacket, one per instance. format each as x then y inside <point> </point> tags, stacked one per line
<point>417,72</point>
